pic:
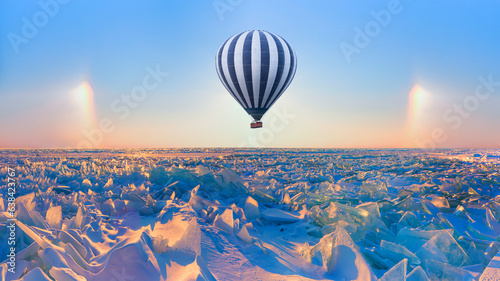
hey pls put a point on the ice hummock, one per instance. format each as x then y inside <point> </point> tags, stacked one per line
<point>340,256</point>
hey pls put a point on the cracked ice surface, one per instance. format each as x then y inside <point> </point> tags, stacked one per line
<point>252,214</point>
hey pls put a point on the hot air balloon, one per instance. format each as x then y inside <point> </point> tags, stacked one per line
<point>256,67</point>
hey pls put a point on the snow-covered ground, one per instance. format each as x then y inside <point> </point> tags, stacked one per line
<point>250,214</point>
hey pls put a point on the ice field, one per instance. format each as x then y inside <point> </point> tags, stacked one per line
<point>250,214</point>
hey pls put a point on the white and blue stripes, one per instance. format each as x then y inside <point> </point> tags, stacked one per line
<point>256,67</point>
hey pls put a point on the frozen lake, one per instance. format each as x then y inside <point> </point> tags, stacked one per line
<point>250,214</point>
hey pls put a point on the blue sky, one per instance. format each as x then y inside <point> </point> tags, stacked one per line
<point>362,100</point>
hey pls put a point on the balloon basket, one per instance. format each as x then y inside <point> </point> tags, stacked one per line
<point>256,124</point>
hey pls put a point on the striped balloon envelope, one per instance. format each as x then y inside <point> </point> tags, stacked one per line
<point>256,67</point>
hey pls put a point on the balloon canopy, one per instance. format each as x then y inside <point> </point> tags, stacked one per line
<point>256,67</point>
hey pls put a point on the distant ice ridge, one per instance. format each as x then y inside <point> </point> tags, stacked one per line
<point>269,214</point>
